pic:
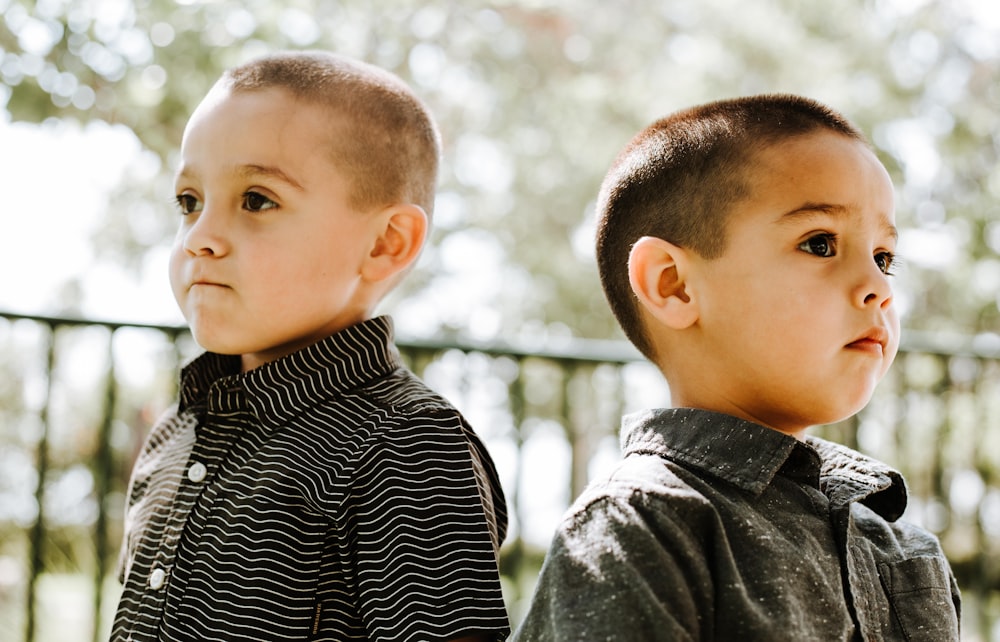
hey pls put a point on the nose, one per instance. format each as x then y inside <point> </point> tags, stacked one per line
<point>873,288</point>
<point>202,234</point>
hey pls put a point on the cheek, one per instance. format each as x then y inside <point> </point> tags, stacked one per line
<point>175,269</point>
<point>279,281</point>
<point>893,319</point>
<point>893,316</point>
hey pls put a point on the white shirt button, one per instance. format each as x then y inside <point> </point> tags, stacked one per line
<point>197,472</point>
<point>157,578</point>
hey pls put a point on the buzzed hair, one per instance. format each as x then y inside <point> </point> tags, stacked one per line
<point>388,145</point>
<point>678,179</point>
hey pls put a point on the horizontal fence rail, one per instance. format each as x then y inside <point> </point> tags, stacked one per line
<point>77,397</point>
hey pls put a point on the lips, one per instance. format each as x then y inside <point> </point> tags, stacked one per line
<point>202,280</point>
<point>206,286</point>
<point>875,339</point>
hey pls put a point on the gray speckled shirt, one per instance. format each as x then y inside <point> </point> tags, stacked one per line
<point>715,528</point>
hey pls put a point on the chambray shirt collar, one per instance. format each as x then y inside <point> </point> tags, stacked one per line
<point>283,388</point>
<point>749,456</point>
<point>849,476</point>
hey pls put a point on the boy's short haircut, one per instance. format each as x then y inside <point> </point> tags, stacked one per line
<point>678,179</point>
<point>387,145</point>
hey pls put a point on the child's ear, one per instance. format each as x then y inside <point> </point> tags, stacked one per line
<point>400,234</point>
<point>657,271</point>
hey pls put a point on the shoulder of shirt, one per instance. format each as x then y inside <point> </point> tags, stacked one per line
<point>640,484</point>
<point>397,404</point>
<point>169,421</point>
<point>406,392</point>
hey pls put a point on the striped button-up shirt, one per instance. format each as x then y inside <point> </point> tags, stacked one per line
<point>327,495</point>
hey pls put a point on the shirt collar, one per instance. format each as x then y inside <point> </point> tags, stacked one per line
<point>749,456</point>
<point>849,476</point>
<point>281,389</point>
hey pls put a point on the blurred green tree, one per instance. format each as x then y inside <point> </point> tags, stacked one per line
<point>534,98</point>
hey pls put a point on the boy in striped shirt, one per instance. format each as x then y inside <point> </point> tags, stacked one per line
<point>307,486</point>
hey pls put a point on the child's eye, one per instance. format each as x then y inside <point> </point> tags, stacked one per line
<point>886,261</point>
<point>821,245</point>
<point>257,202</point>
<point>188,204</point>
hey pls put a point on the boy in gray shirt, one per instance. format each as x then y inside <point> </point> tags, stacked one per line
<point>746,248</point>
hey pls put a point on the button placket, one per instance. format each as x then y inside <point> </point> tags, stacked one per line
<point>196,472</point>
<point>157,578</point>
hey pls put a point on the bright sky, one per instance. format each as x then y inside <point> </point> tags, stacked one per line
<point>56,178</point>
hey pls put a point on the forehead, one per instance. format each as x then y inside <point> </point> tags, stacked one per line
<point>271,110</point>
<point>819,172</point>
<point>262,127</point>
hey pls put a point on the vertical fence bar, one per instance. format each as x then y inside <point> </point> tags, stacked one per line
<point>36,539</point>
<point>515,552</point>
<point>939,467</point>
<point>982,583</point>
<point>102,470</point>
<point>577,436</point>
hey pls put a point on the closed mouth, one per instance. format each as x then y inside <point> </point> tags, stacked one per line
<point>866,344</point>
<point>874,339</point>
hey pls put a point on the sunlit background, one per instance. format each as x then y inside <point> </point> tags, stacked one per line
<point>534,98</point>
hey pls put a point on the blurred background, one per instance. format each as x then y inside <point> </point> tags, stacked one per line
<point>504,314</point>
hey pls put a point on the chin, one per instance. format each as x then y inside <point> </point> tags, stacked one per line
<point>846,412</point>
<point>212,343</point>
<point>826,414</point>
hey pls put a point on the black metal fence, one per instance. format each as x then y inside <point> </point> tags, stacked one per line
<point>76,397</point>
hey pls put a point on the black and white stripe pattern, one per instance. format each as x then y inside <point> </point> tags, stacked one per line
<point>328,495</point>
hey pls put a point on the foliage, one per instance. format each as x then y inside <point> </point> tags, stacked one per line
<point>534,98</point>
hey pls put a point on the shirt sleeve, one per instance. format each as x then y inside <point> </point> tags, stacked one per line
<point>615,572</point>
<point>425,551</point>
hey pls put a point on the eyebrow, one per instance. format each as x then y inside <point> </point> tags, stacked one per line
<point>251,171</point>
<point>809,211</point>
